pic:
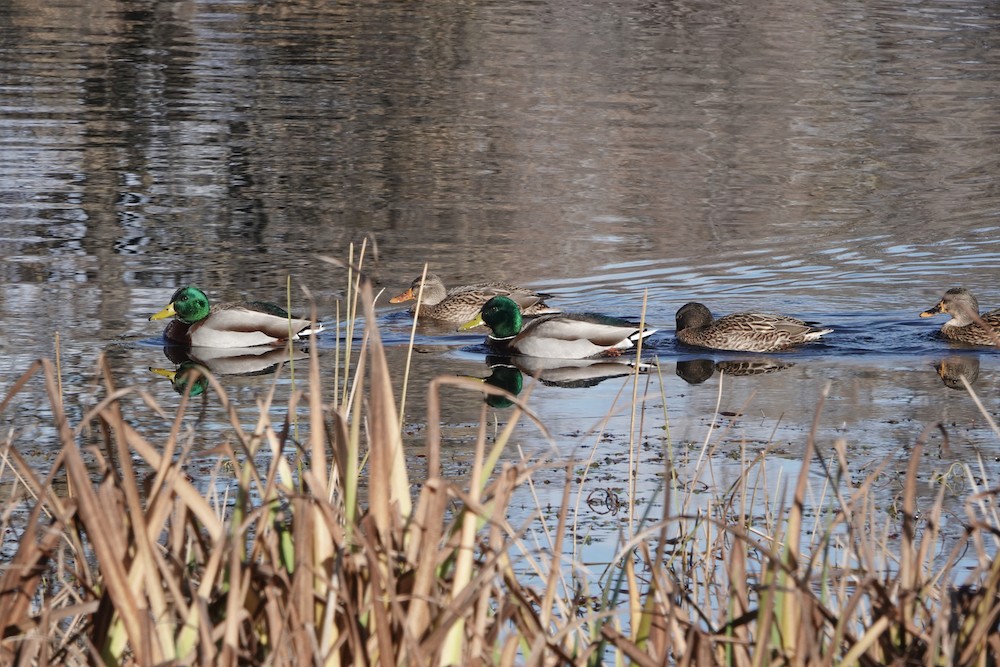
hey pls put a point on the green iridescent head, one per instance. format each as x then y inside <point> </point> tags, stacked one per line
<point>501,315</point>
<point>188,304</point>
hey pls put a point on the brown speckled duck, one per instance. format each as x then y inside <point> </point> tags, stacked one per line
<point>963,326</point>
<point>743,332</point>
<point>461,304</point>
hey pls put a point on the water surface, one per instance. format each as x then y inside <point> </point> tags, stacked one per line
<point>832,160</point>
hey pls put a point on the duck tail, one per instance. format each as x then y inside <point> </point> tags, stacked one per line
<point>314,329</point>
<point>638,334</point>
<point>816,335</point>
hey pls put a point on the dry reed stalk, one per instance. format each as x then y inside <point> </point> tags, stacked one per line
<point>102,528</point>
<point>455,649</point>
<point>409,348</point>
<point>387,468</point>
<point>23,575</point>
<point>295,571</point>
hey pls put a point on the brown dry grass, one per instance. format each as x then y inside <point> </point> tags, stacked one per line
<point>124,568</point>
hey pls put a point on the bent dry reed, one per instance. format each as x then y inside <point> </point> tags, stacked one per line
<point>118,567</point>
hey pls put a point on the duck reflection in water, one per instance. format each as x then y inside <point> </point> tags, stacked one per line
<point>194,364</point>
<point>575,373</point>
<point>696,371</point>
<point>953,368</point>
<point>188,373</point>
<point>508,373</point>
<point>506,377</point>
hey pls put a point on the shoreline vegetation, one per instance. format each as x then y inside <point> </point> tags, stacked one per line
<point>305,566</point>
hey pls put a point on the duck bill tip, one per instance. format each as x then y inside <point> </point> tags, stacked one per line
<point>405,296</point>
<point>164,372</point>
<point>477,321</point>
<point>164,314</point>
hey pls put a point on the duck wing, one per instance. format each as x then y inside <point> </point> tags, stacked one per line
<point>598,329</point>
<point>258,306</point>
<point>244,325</point>
<point>752,332</point>
<point>266,315</point>
<point>992,318</point>
<point>763,323</point>
<point>576,336</point>
<point>530,302</point>
<point>489,290</point>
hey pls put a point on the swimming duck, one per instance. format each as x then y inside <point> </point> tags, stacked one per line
<point>244,324</point>
<point>965,325</point>
<point>461,304</point>
<point>565,336</point>
<point>744,332</point>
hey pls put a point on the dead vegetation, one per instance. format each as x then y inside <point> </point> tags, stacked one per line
<point>120,567</point>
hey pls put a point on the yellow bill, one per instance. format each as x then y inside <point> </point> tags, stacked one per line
<point>170,375</point>
<point>165,313</point>
<point>476,321</point>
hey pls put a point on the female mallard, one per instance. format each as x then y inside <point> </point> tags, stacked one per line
<point>461,304</point>
<point>227,324</point>
<point>743,332</point>
<point>579,336</point>
<point>966,324</point>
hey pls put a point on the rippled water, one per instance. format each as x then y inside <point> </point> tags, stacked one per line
<point>833,160</point>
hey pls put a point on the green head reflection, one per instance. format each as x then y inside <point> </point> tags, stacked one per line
<point>507,378</point>
<point>188,373</point>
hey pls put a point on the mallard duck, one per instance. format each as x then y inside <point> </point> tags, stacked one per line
<point>227,324</point>
<point>743,332</point>
<point>965,325</point>
<point>461,304</point>
<point>565,336</point>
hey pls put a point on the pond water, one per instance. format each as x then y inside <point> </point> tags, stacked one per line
<point>833,160</point>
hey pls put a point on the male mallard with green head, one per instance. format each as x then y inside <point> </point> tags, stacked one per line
<point>563,336</point>
<point>246,324</point>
